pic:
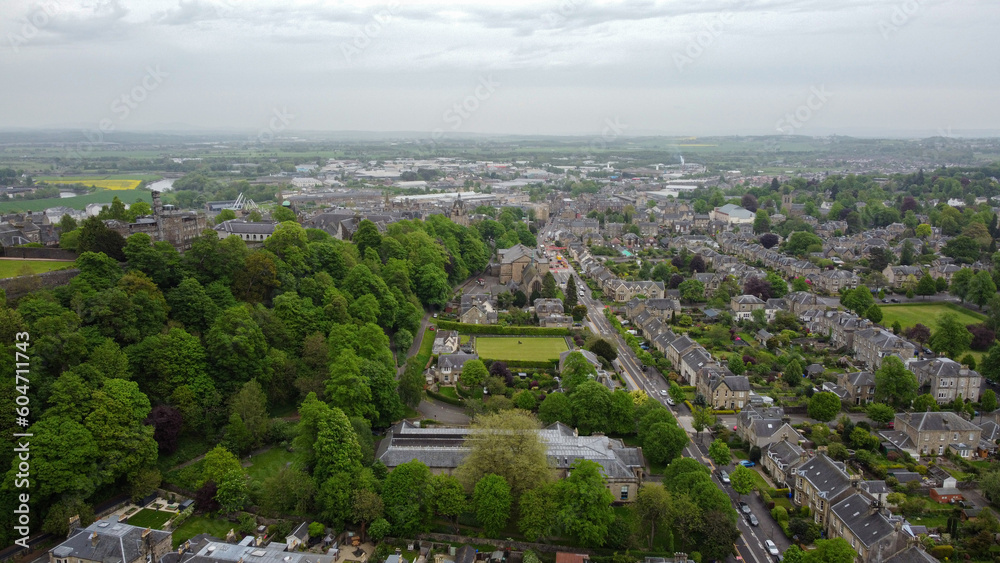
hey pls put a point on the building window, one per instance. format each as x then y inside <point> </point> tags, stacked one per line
<point>624,494</point>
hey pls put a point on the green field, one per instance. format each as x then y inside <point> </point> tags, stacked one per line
<point>269,463</point>
<point>538,349</point>
<point>147,518</point>
<point>14,268</point>
<point>78,202</point>
<point>926,314</point>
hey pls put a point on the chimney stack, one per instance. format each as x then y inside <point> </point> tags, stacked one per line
<point>93,539</point>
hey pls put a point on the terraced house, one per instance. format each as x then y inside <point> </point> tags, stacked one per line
<point>819,483</point>
<point>945,379</point>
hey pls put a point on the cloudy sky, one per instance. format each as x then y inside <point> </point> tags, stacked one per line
<point>579,67</point>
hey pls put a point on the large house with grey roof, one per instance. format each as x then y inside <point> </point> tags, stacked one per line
<point>862,523</point>
<point>111,541</point>
<point>442,449</point>
<point>945,379</point>
<point>931,433</point>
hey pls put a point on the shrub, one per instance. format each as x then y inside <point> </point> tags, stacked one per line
<point>942,552</point>
<point>779,514</point>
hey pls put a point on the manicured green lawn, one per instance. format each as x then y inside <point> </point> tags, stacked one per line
<point>449,392</point>
<point>932,520</point>
<point>147,518</point>
<point>202,525</point>
<point>909,314</point>
<point>520,348</point>
<point>14,268</point>
<point>269,463</point>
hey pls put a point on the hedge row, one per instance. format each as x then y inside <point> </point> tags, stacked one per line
<point>533,364</point>
<point>445,398</point>
<point>503,330</point>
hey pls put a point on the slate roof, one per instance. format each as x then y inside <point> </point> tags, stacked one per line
<point>826,476</point>
<point>937,421</point>
<point>456,360</point>
<point>116,542</point>
<point>786,453</point>
<point>238,227</point>
<point>912,554</point>
<point>443,447</point>
<point>867,525</point>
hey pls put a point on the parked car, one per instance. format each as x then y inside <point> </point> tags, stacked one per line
<point>744,507</point>
<point>885,300</point>
<point>752,519</point>
<point>670,401</point>
<point>664,392</point>
<point>894,300</point>
<point>771,548</point>
<point>725,477</point>
<point>747,463</point>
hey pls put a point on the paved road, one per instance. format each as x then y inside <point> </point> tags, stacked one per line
<point>750,545</point>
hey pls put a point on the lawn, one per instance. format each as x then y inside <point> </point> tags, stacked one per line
<point>909,314</point>
<point>269,463</point>
<point>449,392</point>
<point>537,349</point>
<point>186,477</point>
<point>14,268</point>
<point>202,525</point>
<point>147,518</point>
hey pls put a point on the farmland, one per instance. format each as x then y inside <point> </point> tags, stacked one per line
<point>538,349</point>
<point>100,182</point>
<point>78,202</point>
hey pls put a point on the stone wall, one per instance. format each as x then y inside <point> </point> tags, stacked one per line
<point>33,252</point>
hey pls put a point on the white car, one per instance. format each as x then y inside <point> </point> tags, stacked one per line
<point>725,477</point>
<point>664,392</point>
<point>771,548</point>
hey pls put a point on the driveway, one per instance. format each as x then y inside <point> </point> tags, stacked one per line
<point>443,412</point>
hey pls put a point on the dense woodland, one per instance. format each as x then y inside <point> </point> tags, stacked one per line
<point>128,358</point>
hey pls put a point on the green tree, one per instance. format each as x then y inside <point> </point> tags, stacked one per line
<point>366,506</point>
<point>654,507</point>
<point>236,347</point>
<point>407,498</point>
<point>799,243</point>
<point>506,444</point>
<point>836,550</point>
<point>925,403</point>
<point>894,384</point>
<point>981,288</point>
<point>233,491</point>
<point>474,373</point>
<point>761,222</point>
<point>219,462</point>
<point>447,496</point>
<point>664,442</point>
<point>676,393</point>
<point>719,452</point>
<point>702,418</point>
<point>960,283</point>
<point>824,406</point>
<point>556,407</point>
<point>492,500</point>
<point>988,401</point>
<point>880,413</point>
<point>926,285</point>
<point>591,403</point>
<point>603,348</point>
<point>584,502</point>
<point>379,529</point>
<point>742,480</point>
<point>432,285</point>
<point>537,509</point>
<point>692,291</point>
<point>576,370</point>
<point>571,299</point>
<point>367,236</point>
<point>951,336</point>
